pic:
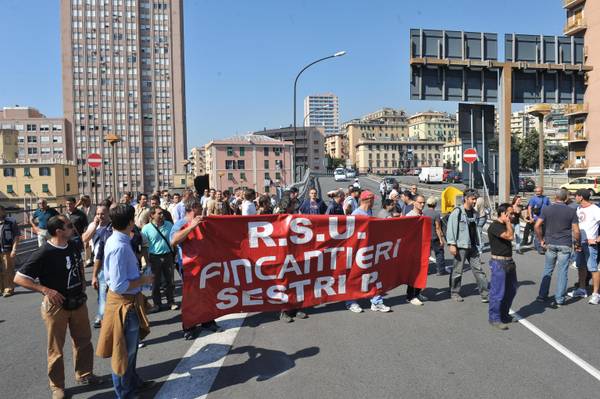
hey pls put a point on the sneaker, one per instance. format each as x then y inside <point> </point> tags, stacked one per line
<point>520,251</point>
<point>578,293</point>
<point>8,293</point>
<point>595,299</point>
<point>484,299</point>
<point>173,306</point>
<point>556,305</point>
<point>97,322</point>
<point>91,379</point>
<point>416,301</point>
<point>380,307</point>
<point>355,307</point>
<point>499,325</point>
<point>457,298</point>
<point>141,344</point>
<point>301,315</point>
<point>422,298</point>
<point>58,393</point>
<point>573,265</point>
<point>190,334</point>
<point>510,319</point>
<point>285,317</point>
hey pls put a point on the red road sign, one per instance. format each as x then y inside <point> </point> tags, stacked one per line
<point>94,160</point>
<point>470,155</point>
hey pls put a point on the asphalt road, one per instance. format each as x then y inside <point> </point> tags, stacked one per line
<point>443,349</point>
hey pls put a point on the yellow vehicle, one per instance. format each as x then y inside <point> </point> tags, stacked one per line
<point>587,183</point>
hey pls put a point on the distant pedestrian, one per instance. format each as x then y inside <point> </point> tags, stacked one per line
<point>312,205</point>
<point>58,266</point>
<point>483,213</point>
<point>557,238</point>
<point>264,205</point>
<point>503,281</point>
<point>10,236</point>
<point>407,199</point>
<point>534,209</point>
<point>39,221</point>
<point>351,201</point>
<point>515,218</point>
<point>248,206</point>
<point>438,241</point>
<point>335,207</point>
<point>462,238</point>
<point>413,295</point>
<point>387,209</point>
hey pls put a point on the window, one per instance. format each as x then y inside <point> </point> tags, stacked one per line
<point>9,189</point>
<point>229,164</point>
<point>243,176</point>
<point>66,171</point>
<point>230,176</point>
<point>277,176</point>
<point>241,164</point>
<point>68,187</point>
<point>229,151</point>
<point>26,172</point>
<point>266,151</point>
<point>44,171</point>
<point>45,188</point>
<point>9,172</point>
<point>32,151</point>
<point>266,164</point>
<point>31,128</point>
<point>32,139</point>
<point>277,151</point>
<point>267,176</point>
<point>28,188</point>
<point>242,151</point>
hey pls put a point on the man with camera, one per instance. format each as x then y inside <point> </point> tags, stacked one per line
<point>59,267</point>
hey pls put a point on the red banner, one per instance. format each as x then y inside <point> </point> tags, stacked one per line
<point>261,263</point>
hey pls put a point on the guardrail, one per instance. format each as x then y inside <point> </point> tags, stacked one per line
<point>307,182</point>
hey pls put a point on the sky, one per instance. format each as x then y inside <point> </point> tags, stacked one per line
<point>241,56</point>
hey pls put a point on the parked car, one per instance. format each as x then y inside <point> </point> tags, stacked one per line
<point>350,173</point>
<point>339,174</point>
<point>587,183</point>
<point>453,177</point>
<point>526,184</point>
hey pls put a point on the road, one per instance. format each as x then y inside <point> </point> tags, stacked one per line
<point>443,349</point>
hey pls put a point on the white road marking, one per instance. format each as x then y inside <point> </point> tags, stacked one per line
<point>194,375</point>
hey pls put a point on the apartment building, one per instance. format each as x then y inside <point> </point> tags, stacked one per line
<point>123,75</point>
<point>322,110</point>
<point>198,161</point>
<point>434,126</point>
<point>40,138</point>
<point>336,146</point>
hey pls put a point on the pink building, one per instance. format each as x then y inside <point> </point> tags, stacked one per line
<point>251,161</point>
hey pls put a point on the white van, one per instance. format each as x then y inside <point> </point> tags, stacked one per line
<point>339,174</point>
<point>433,174</point>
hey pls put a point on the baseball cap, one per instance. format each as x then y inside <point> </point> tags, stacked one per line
<point>366,195</point>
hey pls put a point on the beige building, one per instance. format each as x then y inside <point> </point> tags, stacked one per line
<point>123,74</point>
<point>386,125</point>
<point>198,162</point>
<point>252,161</point>
<point>452,154</point>
<point>583,20</point>
<point>435,126</point>
<point>22,183</point>
<point>308,145</point>
<point>336,146</point>
<point>41,139</point>
<point>386,156</point>
<point>522,123</point>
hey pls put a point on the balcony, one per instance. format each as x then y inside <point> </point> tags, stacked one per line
<point>572,3</point>
<point>578,136</point>
<point>576,109</point>
<point>576,165</point>
<point>575,26</point>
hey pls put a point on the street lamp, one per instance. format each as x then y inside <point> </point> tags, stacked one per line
<point>113,139</point>
<point>186,163</point>
<point>338,54</point>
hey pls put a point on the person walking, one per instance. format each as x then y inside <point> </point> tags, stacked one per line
<point>587,259</point>
<point>335,207</point>
<point>10,236</point>
<point>367,199</point>
<point>160,258</point>
<point>503,281</point>
<point>462,238</point>
<point>79,220</point>
<point>58,267</point>
<point>437,236</point>
<point>125,322</point>
<point>560,234</point>
<point>413,295</point>
<point>482,211</point>
<point>534,209</point>
<point>312,205</point>
<point>39,221</point>
<point>515,220</point>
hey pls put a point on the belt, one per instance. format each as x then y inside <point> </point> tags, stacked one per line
<point>501,257</point>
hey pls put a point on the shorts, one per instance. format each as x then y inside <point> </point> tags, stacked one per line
<point>588,257</point>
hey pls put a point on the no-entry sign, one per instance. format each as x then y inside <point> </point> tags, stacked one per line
<point>470,155</point>
<point>94,160</point>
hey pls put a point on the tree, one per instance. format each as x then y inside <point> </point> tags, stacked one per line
<point>333,163</point>
<point>529,152</point>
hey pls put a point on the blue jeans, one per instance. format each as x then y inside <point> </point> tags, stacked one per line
<point>126,384</point>
<point>518,235</point>
<point>556,256</point>
<point>438,250</point>
<point>503,288</point>
<point>102,291</point>
<point>376,300</point>
<point>588,257</point>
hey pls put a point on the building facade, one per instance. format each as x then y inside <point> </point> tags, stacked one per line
<point>336,146</point>
<point>322,110</point>
<point>308,144</point>
<point>452,154</point>
<point>250,161</point>
<point>41,139</point>
<point>522,123</point>
<point>434,126</point>
<point>198,162</point>
<point>386,156</point>
<point>583,20</point>
<point>123,74</point>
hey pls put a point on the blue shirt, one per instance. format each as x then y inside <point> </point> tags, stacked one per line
<point>360,212</point>
<point>120,264</point>
<point>153,240</point>
<point>178,212</point>
<point>537,204</point>
<point>42,217</point>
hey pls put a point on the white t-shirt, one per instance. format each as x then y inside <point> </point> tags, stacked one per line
<point>248,208</point>
<point>588,222</point>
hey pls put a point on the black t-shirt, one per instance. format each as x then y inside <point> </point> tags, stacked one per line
<point>79,220</point>
<point>515,216</point>
<point>472,227</point>
<point>498,245</point>
<point>56,268</point>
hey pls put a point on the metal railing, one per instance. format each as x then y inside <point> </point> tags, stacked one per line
<point>304,185</point>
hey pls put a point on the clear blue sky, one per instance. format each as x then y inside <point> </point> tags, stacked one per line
<point>242,56</point>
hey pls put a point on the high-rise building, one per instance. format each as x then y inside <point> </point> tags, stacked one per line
<point>123,75</point>
<point>41,139</point>
<point>522,123</point>
<point>322,110</point>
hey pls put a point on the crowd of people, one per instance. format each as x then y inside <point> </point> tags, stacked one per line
<point>133,246</point>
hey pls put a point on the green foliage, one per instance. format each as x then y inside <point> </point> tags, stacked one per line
<point>529,152</point>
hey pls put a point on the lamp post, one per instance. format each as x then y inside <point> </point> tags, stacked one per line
<point>113,139</point>
<point>186,163</point>
<point>338,54</point>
